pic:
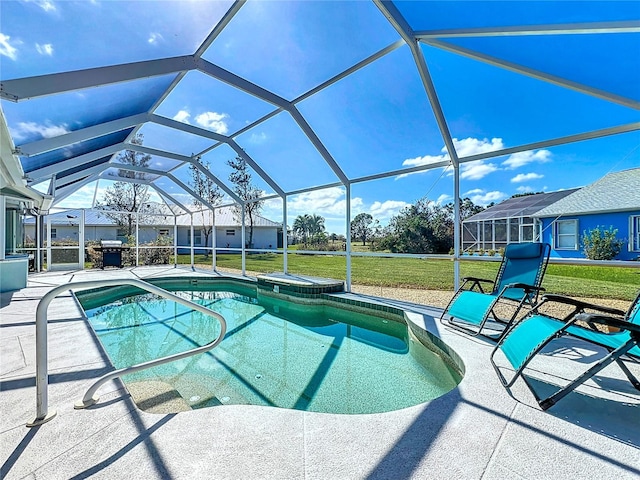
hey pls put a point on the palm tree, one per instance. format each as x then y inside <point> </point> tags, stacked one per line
<point>301,227</point>
<point>315,225</point>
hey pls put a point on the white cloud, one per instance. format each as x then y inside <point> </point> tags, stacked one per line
<point>474,191</point>
<point>258,137</point>
<point>213,121</point>
<point>329,201</point>
<point>524,189</point>
<point>46,5</point>
<point>525,177</point>
<point>46,49</point>
<point>25,129</point>
<point>521,159</point>
<point>476,170</point>
<point>473,146</point>
<point>6,48</point>
<point>444,199</point>
<point>480,197</point>
<point>154,38</point>
<point>426,160</point>
<point>182,116</point>
<point>383,211</point>
<point>464,148</point>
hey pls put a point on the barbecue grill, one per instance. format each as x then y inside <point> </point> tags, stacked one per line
<point>111,253</point>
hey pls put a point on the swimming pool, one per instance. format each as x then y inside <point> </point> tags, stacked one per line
<point>276,352</point>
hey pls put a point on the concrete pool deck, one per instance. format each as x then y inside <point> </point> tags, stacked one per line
<point>475,431</point>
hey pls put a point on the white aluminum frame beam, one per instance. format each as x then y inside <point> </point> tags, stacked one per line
<point>604,132</point>
<point>396,19</point>
<point>71,189</point>
<point>402,27</point>
<point>270,97</point>
<point>218,29</point>
<point>151,171</point>
<point>43,85</point>
<point>45,173</point>
<point>538,75</point>
<point>630,26</point>
<point>53,143</point>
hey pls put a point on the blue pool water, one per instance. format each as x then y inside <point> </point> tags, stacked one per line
<point>276,353</point>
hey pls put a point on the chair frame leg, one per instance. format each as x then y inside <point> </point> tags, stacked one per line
<point>602,363</point>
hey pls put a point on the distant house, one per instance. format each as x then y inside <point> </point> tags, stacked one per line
<point>611,202</point>
<point>98,226</point>
<point>511,221</point>
<point>562,218</point>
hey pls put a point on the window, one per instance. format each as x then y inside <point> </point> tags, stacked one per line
<point>121,234</point>
<point>163,232</point>
<point>54,234</point>
<point>634,233</point>
<point>197,237</point>
<point>566,235</point>
<point>230,233</point>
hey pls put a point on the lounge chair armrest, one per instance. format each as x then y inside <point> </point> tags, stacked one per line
<point>609,321</point>
<point>551,297</point>
<point>526,287</point>
<point>474,279</point>
<point>475,282</point>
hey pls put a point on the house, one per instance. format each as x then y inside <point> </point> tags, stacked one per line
<point>562,218</point>
<point>611,202</point>
<point>511,221</point>
<point>65,227</point>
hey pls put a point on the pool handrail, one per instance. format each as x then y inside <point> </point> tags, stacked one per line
<point>43,414</point>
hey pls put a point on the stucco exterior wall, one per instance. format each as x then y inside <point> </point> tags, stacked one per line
<point>619,220</point>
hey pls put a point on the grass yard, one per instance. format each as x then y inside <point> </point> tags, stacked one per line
<point>434,274</point>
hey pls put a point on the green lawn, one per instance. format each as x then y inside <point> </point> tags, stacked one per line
<point>576,280</point>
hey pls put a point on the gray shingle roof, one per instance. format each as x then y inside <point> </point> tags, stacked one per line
<point>224,218</point>
<point>615,192</point>
<point>524,206</point>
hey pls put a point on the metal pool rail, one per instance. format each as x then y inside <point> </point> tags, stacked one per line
<point>42,380</point>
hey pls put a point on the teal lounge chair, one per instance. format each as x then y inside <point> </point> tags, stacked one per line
<point>517,282</point>
<point>525,339</point>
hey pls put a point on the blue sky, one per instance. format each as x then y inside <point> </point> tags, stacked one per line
<point>376,120</point>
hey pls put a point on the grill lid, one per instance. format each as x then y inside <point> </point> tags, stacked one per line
<point>111,243</point>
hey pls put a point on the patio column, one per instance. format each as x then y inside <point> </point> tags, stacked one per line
<point>348,235</point>
<point>39,243</point>
<point>81,250</point>
<point>175,240</point>
<point>48,243</point>
<point>285,236</point>
<point>191,242</point>
<point>456,226</point>
<point>214,242</point>
<point>137,239</point>
<point>3,226</point>
<point>244,260</point>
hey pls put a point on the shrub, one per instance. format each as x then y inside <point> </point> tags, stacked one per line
<point>601,244</point>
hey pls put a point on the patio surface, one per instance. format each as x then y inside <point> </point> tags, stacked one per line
<point>475,431</point>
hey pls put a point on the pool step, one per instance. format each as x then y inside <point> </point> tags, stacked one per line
<point>155,396</point>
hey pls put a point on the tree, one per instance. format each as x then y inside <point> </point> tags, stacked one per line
<point>316,224</point>
<point>601,244</point>
<point>309,227</point>
<point>247,191</point>
<point>361,227</point>
<point>207,189</point>
<point>421,228</point>
<point>301,227</point>
<point>129,197</point>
